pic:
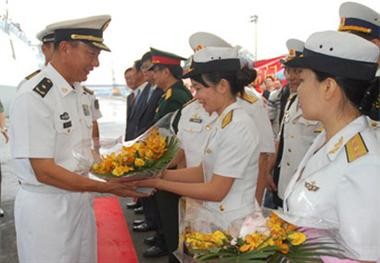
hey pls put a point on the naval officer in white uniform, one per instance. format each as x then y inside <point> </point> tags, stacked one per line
<point>50,117</point>
<point>336,184</point>
<point>226,179</point>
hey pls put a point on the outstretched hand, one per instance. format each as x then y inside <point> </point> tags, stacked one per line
<point>124,189</point>
<point>152,183</point>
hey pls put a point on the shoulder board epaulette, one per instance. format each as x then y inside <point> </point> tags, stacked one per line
<point>168,93</point>
<point>227,119</point>
<point>43,87</point>
<point>91,92</point>
<point>32,74</point>
<point>188,103</point>
<point>247,97</point>
<point>355,148</point>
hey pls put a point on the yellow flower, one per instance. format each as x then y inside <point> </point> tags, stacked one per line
<point>139,162</point>
<point>253,241</point>
<point>297,238</point>
<point>128,158</point>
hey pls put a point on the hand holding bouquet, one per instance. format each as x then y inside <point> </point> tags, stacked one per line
<point>143,157</point>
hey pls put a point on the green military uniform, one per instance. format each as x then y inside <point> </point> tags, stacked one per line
<point>167,202</point>
<point>172,100</point>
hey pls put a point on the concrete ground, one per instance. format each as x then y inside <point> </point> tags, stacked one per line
<point>111,126</point>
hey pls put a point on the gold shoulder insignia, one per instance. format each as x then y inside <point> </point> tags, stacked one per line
<point>32,74</point>
<point>318,130</point>
<point>43,87</point>
<point>247,97</point>
<point>355,148</point>
<point>188,103</point>
<point>227,119</point>
<point>91,92</point>
<point>168,93</point>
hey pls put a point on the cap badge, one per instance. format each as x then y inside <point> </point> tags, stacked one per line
<point>199,47</point>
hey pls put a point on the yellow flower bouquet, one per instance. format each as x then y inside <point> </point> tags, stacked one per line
<point>146,157</point>
<point>280,242</point>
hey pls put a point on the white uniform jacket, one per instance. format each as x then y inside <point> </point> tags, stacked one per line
<point>299,134</point>
<point>194,127</point>
<point>254,106</point>
<point>50,118</point>
<point>232,150</point>
<point>336,186</point>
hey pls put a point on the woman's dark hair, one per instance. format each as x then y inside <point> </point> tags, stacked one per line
<point>362,93</point>
<point>237,79</point>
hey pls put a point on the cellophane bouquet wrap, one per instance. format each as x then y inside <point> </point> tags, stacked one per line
<point>143,157</point>
<point>253,239</point>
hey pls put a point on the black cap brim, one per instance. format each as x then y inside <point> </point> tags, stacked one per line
<point>224,65</point>
<point>351,69</point>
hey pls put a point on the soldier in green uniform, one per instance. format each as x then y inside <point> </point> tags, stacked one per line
<point>167,73</point>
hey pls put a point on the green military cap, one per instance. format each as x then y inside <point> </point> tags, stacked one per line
<point>160,57</point>
<point>88,30</point>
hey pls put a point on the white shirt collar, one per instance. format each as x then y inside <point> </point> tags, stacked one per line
<point>63,86</point>
<point>139,88</point>
<point>339,140</point>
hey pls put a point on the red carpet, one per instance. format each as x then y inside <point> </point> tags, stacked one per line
<point>114,242</point>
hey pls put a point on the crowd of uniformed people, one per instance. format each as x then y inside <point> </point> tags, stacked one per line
<point>309,149</point>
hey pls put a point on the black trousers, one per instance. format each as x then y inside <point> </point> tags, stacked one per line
<point>151,212</point>
<point>276,176</point>
<point>168,209</point>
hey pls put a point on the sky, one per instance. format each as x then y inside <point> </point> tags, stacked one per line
<point>167,24</point>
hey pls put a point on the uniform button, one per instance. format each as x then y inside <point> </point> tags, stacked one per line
<point>208,127</point>
<point>288,164</point>
<point>291,136</point>
<point>221,208</point>
<point>208,151</point>
<point>294,122</point>
<point>290,150</point>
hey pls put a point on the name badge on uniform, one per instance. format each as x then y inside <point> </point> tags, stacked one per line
<point>312,186</point>
<point>67,124</point>
<point>196,118</point>
<point>86,110</point>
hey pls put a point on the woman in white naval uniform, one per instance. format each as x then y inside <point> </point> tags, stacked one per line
<point>226,179</point>
<point>336,184</point>
<point>50,117</point>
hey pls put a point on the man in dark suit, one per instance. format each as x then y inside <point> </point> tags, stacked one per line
<point>148,109</point>
<point>144,113</point>
<point>137,100</point>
